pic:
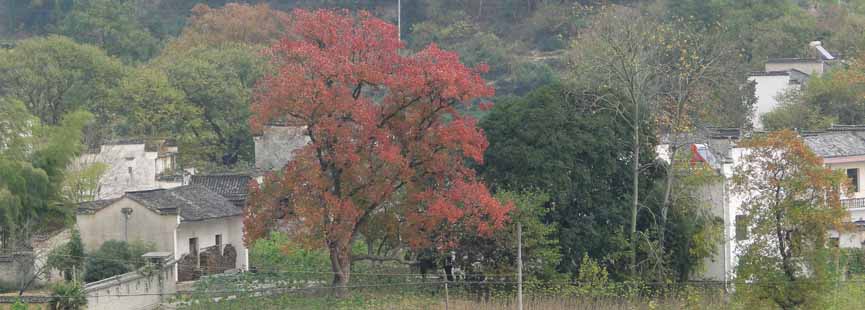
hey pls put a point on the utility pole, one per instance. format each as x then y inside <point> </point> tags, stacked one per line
<point>519,266</point>
<point>399,19</point>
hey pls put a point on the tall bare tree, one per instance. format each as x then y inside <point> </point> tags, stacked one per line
<point>621,51</point>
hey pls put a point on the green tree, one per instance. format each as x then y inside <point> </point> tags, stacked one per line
<point>791,202</point>
<point>32,171</point>
<point>154,107</point>
<point>69,258</point>
<point>82,181</point>
<point>68,296</point>
<point>794,112</point>
<point>497,254</point>
<point>54,76</point>
<point>217,83</point>
<point>115,257</point>
<point>562,143</point>
<point>32,166</point>
<point>622,50</point>
<point>111,25</point>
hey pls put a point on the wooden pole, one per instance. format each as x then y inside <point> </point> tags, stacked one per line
<point>519,266</point>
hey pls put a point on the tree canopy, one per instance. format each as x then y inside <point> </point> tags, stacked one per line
<point>790,203</point>
<point>385,135</point>
<point>32,172</point>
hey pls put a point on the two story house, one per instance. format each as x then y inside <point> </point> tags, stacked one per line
<point>843,148</point>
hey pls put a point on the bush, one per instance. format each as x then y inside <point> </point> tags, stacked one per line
<point>68,296</point>
<point>18,305</point>
<point>69,257</point>
<point>278,253</point>
<point>115,257</point>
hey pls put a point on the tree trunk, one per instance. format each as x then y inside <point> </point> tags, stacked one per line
<point>340,262</point>
<point>665,206</point>
<point>636,193</point>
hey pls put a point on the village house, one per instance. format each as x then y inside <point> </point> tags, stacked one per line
<point>843,148</point>
<point>782,75</point>
<point>131,165</point>
<point>716,148</point>
<point>202,229</point>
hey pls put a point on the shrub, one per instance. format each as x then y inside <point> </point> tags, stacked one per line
<point>68,296</point>
<point>115,257</point>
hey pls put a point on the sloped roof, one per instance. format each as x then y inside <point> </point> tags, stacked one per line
<point>233,187</point>
<point>718,140</point>
<point>192,202</point>
<point>837,143</point>
<point>96,205</point>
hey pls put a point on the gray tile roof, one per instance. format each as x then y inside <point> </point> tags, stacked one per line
<point>719,140</point>
<point>234,187</point>
<point>96,205</point>
<point>837,143</point>
<point>193,202</point>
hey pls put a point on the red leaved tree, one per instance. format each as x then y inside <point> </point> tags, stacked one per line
<point>386,139</point>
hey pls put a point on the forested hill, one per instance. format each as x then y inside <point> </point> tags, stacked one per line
<point>505,33</point>
<point>159,67</point>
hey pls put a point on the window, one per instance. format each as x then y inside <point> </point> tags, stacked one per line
<point>741,228</point>
<point>853,175</point>
<point>219,242</point>
<point>193,246</point>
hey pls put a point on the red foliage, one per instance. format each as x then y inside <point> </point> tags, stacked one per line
<point>386,136</point>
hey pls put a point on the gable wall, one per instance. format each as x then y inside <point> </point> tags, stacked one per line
<point>767,90</point>
<point>231,229</point>
<point>144,225</point>
<point>275,147</point>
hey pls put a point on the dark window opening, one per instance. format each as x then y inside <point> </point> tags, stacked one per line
<point>741,228</point>
<point>219,242</point>
<point>853,175</point>
<point>193,246</point>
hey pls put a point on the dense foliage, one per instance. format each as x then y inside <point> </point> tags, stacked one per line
<point>386,139</point>
<point>33,158</point>
<point>114,258</point>
<point>791,202</point>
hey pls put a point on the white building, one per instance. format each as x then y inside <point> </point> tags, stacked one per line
<point>188,221</point>
<point>843,148</point>
<point>781,75</point>
<point>770,86</point>
<point>132,166</point>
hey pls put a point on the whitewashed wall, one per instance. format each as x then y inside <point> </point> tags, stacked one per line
<point>767,90</point>
<point>132,290</point>
<point>144,225</point>
<point>231,229</point>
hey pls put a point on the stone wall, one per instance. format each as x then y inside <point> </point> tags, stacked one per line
<point>12,269</point>
<point>142,289</point>
<point>210,261</point>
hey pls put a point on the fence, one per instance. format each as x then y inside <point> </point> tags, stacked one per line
<point>411,292</point>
